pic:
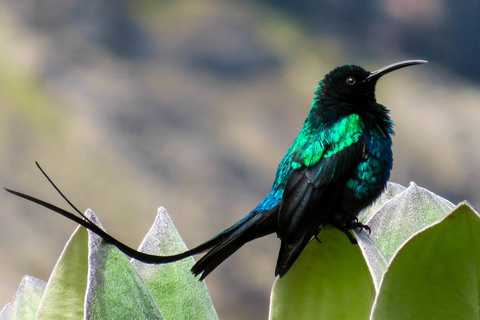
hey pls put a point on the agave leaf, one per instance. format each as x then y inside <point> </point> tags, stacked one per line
<point>26,300</point>
<point>435,274</point>
<point>328,281</point>
<point>65,291</point>
<point>115,290</point>
<point>405,214</point>
<point>376,261</point>
<point>176,291</point>
<point>390,192</point>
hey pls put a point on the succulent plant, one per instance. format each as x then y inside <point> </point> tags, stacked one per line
<point>421,260</point>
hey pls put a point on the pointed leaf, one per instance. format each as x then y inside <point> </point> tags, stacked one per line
<point>65,292</point>
<point>26,301</point>
<point>435,275</point>
<point>405,214</point>
<point>176,291</point>
<point>376,261</point>
<point>390,192</point>
<point>115,290</point>
<point>329,281</point>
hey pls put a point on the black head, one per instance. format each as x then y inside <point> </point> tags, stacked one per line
<point>353,84</point>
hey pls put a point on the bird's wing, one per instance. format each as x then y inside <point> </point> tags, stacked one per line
<point>317,177</point>
<point>307,186</point>
<point>320,160</point>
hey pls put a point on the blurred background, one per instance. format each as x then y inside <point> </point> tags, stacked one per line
<point>132,105</point>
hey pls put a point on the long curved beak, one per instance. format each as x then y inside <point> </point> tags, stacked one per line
<point>375,75</point>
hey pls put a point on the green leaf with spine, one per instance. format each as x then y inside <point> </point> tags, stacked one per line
<point>115,289</point>
<point>174,289</point>
<point>94,280</point>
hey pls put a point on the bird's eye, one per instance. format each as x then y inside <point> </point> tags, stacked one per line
<point>351,80</point>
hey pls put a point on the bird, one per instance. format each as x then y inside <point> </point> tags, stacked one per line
<point>338,165</point>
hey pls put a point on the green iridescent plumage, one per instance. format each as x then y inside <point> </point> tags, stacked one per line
<point>339,164</point>
<point>311,145</point>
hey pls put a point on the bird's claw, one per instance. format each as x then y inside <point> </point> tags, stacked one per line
<point>360,227</point>
<point>350,237</point>
<point>353,225</point>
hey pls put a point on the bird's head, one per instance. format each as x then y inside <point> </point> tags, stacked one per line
<point>353,85</point>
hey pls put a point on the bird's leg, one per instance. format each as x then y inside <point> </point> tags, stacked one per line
<point>353,224</point>
<point>345,229</point>
<point>316,234</point>
<point>350,236</point>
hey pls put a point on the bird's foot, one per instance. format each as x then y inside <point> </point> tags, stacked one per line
<point>350,237</point>
<point>316,237</point>
<point>354,224</point>
<point>358,225</point>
